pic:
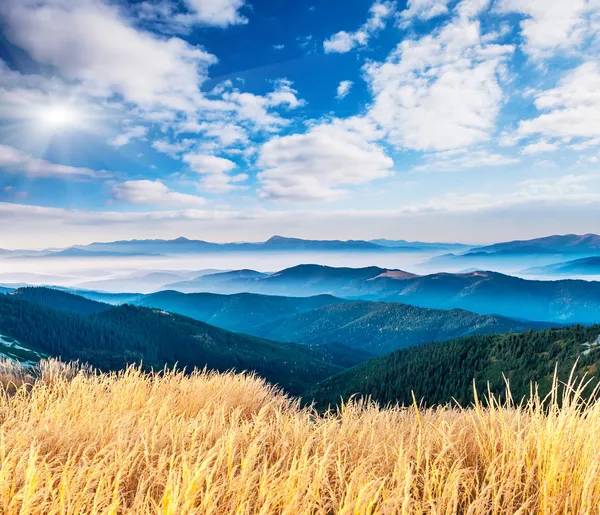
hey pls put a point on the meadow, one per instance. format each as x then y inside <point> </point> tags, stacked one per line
<point>75,441</point>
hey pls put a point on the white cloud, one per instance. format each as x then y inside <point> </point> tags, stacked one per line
<point>316,165</point>
<point>139,131</point>
<point>441,91</point>
<point>172,149</point>
<point>93,43</point>
<point>553,25</point>
<point>423,10</point>
<point>454,160</point>
<point>278,47</point>
<point>539,147</point>
<point>219,13</point>
<point>342,41</point>
<point>170,16</point>
<point>343,88</point>
<point>15,161</point>
<point>257,110</point>
<point>570,110</point>
<point>221,183</point>
<point>208,164</point>
<point>227,134</point>
<point>214,171</point>
<point>153,193</point>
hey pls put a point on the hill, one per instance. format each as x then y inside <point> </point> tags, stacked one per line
<point>483,292</point>
<point>420,245</point>
<point>583,266</point>
<point>301,280</point>
<point>556,244</point>
<point>374,327</point>
<point>381,327</point>
<point>444,371</point>
<point>60,300</point>
<point>126,334</point>
<point>242,312</point>
<point>187,246</point>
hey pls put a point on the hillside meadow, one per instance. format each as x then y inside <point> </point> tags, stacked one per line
<point>75,441</point>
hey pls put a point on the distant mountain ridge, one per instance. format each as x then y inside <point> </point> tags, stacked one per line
<point>582,266</point>
<point>484,292</point>
<point>559,244</point>
<point>276,243</point>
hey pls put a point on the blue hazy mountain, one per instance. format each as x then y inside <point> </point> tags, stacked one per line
<point>557,244</point>
<point>374,327</point>
<point>274,244</point>
<point>582,266</point>
<point>481,292</point>
<point>424,246</point>
<point>521,254</point>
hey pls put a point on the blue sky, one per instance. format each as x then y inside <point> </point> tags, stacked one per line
<point>471,120</point>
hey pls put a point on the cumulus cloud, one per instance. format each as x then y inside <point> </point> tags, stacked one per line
<point>343,89</point>
<point>219,13</point>
<point>139,131</point>
<point>142,67</point>
<point>15,161</point>
<point>342,41</point>
<point>182,17</point>
<point>552,25</point>
<point>454,160</point>
<point>423,10</point>
<point>315,166</point>
<point>441,91</point>
<point>209,164</point>
<point>539,147</point>
<point>153,193</point>
<point>570,110</point>
<point>214,171</point>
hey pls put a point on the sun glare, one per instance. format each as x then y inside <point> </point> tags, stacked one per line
<point>59,116</point>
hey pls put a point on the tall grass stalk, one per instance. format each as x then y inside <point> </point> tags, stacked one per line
<point>73,441</point>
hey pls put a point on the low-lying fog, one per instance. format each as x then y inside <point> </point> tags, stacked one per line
<point>131,270</point>
<point>131,273</point>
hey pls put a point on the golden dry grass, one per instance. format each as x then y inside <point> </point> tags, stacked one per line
<point>75,442</point>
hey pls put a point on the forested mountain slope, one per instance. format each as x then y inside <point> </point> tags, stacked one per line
<point>443,371</point>
<point>127,334</point>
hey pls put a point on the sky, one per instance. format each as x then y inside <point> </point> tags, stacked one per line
<point>233,120</point>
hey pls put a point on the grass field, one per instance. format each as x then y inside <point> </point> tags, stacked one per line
<point>74,442</point>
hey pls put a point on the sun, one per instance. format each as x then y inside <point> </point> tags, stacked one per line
<point>59,117</point>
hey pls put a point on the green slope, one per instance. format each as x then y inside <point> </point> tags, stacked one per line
<point>373,327</point>
<point>60,300</point>
<point>128,334</point>
<point>380,327</point>
<point>440,372</point>
<point>242,312</point>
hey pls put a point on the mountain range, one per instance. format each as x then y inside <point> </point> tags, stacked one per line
<point>484,292</point>
<point>570,244</point>
<point>50,322</point>
<point>519,253</point>
<point>373,327</point>
<point>188,246</point>
<point>582,266</point>
<point>42,322</point>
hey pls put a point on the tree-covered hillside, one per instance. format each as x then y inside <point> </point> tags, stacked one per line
<point>441,372</point>
<point>242,312</point>
<point>60,300</point>
<point>382,327</point>
<point>127,334</point>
